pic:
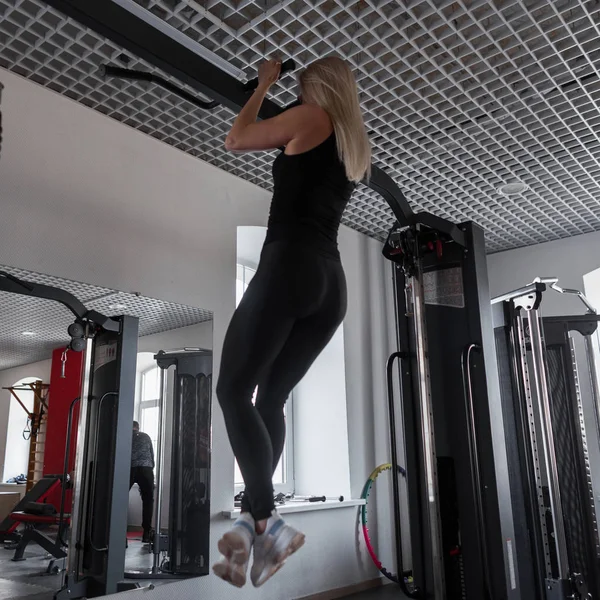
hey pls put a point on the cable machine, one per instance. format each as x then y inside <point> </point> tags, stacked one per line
<point>182,466</point>
<point>548,450</point>
<point>461,522</point>
<point>98,519</point>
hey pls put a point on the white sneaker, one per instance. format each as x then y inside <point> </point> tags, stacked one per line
<point>272,548</point>
<point>235,547</point>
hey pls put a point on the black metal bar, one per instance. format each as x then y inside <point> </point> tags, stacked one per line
<point>395,480</point>
<point>14,285</point>
<point>94,477</point>
<point>120,72</point>
<point>384,185</point>
<point>475,464</point>
<point>63,492</point>
<point>113,21</point>
<point>286,67</point>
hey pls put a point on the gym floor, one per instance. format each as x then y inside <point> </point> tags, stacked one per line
<point>27,579</point>
<point>386,592</point>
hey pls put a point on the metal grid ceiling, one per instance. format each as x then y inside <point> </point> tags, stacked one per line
<point>49,320</point>
<point>459,96</point>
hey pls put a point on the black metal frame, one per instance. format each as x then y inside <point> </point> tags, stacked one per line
<point>99,516</point>
<point>539,569</point>
<point>585,556</point>
<point>155,46</point>
<point>136,75</point>
<point>14,285</point>
<point>101,497</point>
<point>31,535</point>
<point>465,411</point>
<point>189,497</point>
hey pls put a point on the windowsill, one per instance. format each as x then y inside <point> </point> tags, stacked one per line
<point>297,507</point>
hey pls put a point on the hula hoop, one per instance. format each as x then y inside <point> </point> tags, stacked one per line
<point>363,513</point>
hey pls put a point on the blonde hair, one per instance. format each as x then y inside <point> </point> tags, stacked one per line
<point>330,84</point>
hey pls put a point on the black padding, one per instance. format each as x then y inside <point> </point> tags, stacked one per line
<point>39,508</point>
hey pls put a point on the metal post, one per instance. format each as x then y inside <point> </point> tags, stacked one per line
<point>519,350</point>
<point>427,431</point>
<point>543,401</point>
<point>160,447</point>
<point>395,469</point>
<point>595,387</point>
<point>73,560</point>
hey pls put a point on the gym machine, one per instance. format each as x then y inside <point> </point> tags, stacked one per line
<point>183,466</point>
<point>462,521</point>
<point>96,547</point>
<point>542,399</point>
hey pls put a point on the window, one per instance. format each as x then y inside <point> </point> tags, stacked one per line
<point>149,401</point>
<point>243,279</point>
<point>283,478</point>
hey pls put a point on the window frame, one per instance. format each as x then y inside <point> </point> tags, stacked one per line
<point>147,404</point>
<point>288,485</point>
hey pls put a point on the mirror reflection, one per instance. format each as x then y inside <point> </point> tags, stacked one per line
<point>96,387</point>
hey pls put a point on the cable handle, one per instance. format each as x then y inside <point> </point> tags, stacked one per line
<point>286,66</point>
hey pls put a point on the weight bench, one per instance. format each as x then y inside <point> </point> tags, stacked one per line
<point>38,493</point>
<point>54,547</point>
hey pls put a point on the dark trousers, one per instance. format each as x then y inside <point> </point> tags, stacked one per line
<point>144,477</point>
<point>290,311</point>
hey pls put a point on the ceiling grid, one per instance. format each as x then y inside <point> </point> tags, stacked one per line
<point>459,96</point>
<point>31,328</point>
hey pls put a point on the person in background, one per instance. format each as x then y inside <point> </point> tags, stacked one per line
<point>142,473</point>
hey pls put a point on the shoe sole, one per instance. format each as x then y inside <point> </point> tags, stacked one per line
<point>293,546</point>
<point>233,568</point>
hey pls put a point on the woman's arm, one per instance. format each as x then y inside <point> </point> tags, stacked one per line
<point>248,135</point>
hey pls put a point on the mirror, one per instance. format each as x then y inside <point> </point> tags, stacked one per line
<point>41,379</point>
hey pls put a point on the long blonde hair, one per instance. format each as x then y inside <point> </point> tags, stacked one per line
<point>330,84</point>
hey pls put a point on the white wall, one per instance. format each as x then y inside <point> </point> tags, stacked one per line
<point>250,241</point>
<point>569,259</point>
<point>194,336</point>
<point>14,419</point>
<point>101,203</point>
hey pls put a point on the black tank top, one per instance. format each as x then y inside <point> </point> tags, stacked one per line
<point>311,191</point>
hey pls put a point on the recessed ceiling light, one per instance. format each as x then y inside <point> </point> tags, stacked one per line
<point>513,189</point>
<point>28,333</point>
<point>117,307</point>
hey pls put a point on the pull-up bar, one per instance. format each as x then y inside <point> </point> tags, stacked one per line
<point>144,34</point>
<point>12,284</point>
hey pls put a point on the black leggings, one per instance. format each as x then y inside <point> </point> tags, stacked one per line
<point>144,477</point>
<point>289,313</point>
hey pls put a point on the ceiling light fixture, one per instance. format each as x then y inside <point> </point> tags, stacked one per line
<point>117,307</point>
<point>28,333</point>
<point>513,189</point>
<point>180,37</point>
